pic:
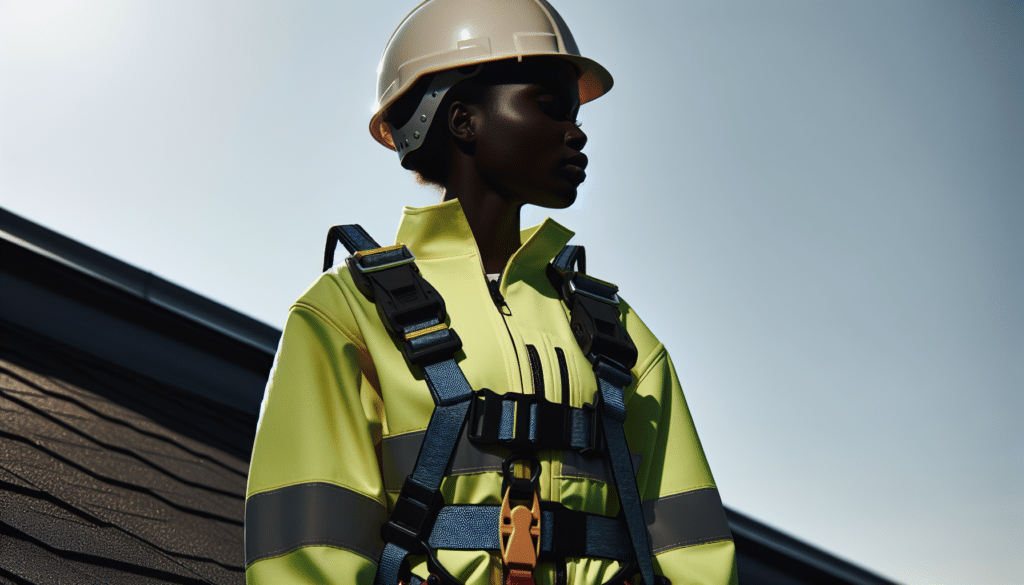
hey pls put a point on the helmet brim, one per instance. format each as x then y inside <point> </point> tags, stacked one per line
<point>594,81</point>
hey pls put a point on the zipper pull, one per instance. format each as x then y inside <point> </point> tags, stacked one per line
<point>499,301</point>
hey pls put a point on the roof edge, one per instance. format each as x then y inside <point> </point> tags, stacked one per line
<point>137,282</point>
<point>784,545</point>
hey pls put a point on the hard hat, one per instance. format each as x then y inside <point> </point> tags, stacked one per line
<point>446,36</point>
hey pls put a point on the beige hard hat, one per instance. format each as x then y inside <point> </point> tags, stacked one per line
<point>446,36</point>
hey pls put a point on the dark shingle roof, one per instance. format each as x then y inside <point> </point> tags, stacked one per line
<point>94,490</point>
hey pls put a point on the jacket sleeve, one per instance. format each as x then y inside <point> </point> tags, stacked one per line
<point>686,524</point>
<point>315,499</point>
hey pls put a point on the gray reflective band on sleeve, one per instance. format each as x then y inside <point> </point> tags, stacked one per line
<point>686,519</point>
<point>400,452</point>
<point>312,514</point>
<point>399,457</point>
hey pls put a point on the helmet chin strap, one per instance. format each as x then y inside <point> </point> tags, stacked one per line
<point>411,136</point>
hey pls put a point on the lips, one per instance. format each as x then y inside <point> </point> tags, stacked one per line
<point>575,165</point>
<point>577,160</point>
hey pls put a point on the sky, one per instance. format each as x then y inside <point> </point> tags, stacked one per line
<point>833,193</point>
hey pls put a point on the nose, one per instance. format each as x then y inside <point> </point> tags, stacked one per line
<point>576,138</point>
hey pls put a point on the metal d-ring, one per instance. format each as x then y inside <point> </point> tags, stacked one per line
<point>508,478</point>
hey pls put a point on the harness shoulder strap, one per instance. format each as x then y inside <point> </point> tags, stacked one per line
<point>594,318</point>
<point>413,312</point>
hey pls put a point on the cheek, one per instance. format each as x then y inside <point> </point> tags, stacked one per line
<point>534,139</point>
<point>517,140</point>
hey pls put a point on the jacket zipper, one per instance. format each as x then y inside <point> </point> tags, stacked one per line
<point>499,302</point>
<point>494,286</point>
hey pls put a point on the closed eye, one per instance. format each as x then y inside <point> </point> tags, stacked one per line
<point>556,108</point>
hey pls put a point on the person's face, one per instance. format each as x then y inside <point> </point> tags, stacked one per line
<point>528,145</point>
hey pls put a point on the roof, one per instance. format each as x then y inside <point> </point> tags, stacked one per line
<point>108,476</point>
<point>130,405</point>
<point>78,296</point>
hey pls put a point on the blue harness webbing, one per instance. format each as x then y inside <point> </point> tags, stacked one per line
<point>472,528</point>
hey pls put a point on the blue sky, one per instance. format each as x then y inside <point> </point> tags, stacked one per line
<point>834,192</point>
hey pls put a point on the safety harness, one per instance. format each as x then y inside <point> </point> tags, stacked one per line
<point>524,529</point>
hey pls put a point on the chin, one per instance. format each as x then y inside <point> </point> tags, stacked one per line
<point>556,200</point>
<point>567,200</point>
<point>549,197</point>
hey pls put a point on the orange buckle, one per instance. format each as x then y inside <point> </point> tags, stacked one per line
<point>519,529</point>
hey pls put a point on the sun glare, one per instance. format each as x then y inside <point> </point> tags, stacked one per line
<point>40,30</point>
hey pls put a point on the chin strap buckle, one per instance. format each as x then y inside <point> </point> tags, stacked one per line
<point>519,529</point>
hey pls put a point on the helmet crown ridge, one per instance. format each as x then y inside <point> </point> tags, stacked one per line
<point>443,35</point>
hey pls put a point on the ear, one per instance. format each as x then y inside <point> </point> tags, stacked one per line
<point>463,121</point>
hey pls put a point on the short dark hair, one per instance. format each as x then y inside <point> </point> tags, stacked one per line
<point>431,162</point>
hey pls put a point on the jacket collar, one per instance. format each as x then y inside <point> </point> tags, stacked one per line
<point>442,231</point>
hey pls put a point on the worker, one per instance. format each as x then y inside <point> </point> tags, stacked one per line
<point>468,405</point>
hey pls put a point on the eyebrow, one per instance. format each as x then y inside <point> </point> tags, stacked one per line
<point>557,88</point>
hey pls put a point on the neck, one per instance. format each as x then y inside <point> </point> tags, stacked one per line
<point>493,219</point>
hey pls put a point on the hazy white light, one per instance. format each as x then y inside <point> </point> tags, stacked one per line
<point>464,34</point>
<point>58,29</point>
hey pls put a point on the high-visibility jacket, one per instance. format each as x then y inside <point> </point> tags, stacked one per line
<point>344,414</point>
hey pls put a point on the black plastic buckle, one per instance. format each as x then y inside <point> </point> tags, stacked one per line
<point>596,443</point>
<point>485,413</point>
<point>484,418</point>
<point>365,262</point>
<point>593,310</point>
<point>568,532</point>
<point>403,298</point>
<point>413,517</point>
<point>554,423</point>
<point>431,347</point>
<point>597,329</point>
<point>551,422</point>
<point>577,283</point>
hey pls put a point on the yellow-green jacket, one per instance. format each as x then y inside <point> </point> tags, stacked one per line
<point>343,418</point>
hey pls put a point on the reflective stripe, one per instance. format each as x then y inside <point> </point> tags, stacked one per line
<point>686,519</point>
<point>470,458</point>
<point>399,453</point>
<point>596,467</point>
<point>310,514</point>
<point>399,457</point>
